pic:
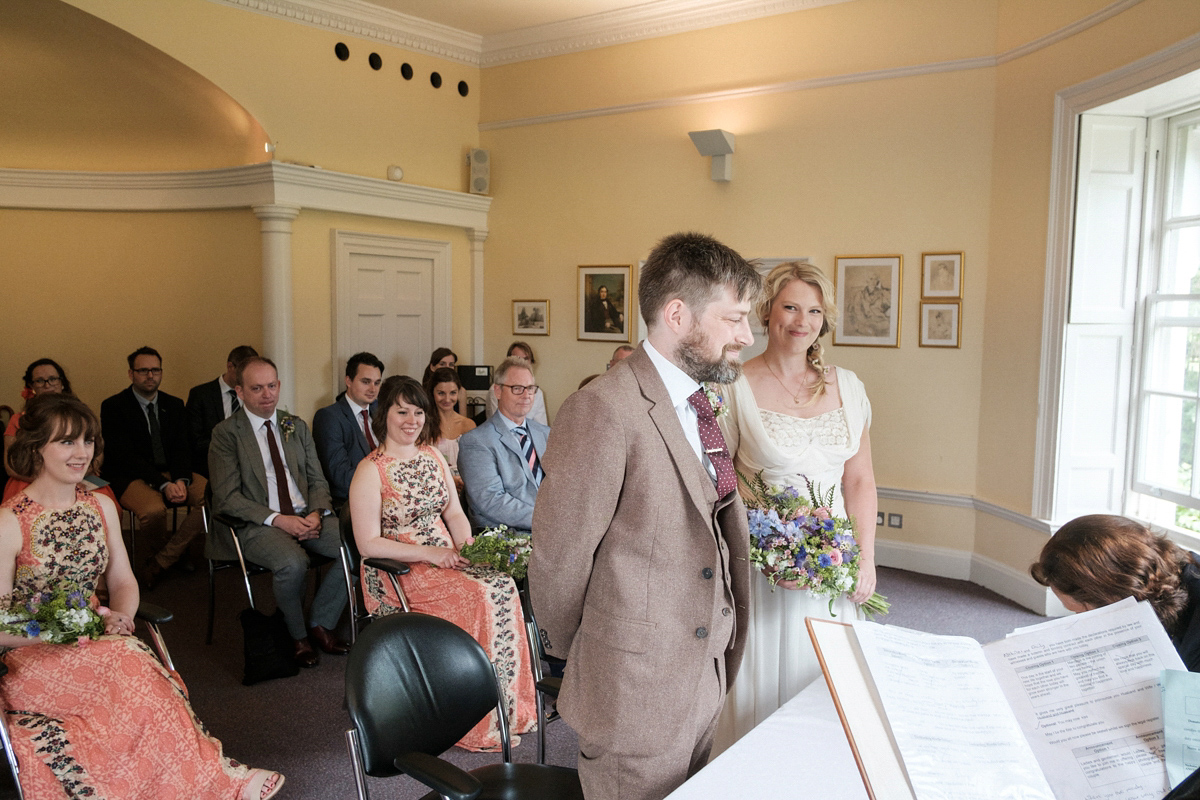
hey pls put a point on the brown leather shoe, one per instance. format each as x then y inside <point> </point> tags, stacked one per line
<point>324,639</point>
<point>305,655</point>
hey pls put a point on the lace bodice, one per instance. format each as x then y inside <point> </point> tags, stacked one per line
<point>824,430</point>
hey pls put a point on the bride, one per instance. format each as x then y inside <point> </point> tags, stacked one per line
<point>794,418</point>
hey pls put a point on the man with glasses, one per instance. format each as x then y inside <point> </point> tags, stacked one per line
<point>500,461</point>
<point>148,461</point>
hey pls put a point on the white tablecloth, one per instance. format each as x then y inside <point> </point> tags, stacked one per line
<point>799,751</point>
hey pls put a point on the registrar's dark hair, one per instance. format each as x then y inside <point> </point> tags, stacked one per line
<point>401,388</point>
<point>362,358</point>
<point>1100,559</point>
<point>52,417</point>
<point>42,362</point>
<point>693,267</point>
<point>142,351</point>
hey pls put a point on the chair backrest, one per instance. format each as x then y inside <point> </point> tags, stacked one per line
<point>415,683</point>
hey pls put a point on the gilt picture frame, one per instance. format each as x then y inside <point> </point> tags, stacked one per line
<point>868,300</point>
<point>941,325</point>
<point>941,276</point>
<point>531,317</point>
<point>605,303</point>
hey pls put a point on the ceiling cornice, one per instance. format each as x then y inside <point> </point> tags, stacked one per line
<point>647,21</point>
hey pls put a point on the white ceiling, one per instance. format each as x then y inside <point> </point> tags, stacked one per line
<point>490,17</point>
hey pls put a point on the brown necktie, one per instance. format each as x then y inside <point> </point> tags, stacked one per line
<point>281,477</point>
<point>713,442</point>
<point>367,429</point>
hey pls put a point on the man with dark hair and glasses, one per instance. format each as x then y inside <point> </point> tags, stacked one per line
<point>148,461</point>
<point>500,461</point>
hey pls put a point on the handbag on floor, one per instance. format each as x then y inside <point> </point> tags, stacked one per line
<point>267,648</point>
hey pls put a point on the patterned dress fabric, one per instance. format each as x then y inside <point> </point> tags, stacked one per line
<point>480,600</point>
<point>106,719</point>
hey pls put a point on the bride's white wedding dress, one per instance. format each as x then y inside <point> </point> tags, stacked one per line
<point>779,660</point>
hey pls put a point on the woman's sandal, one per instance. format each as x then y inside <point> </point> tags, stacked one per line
<point>263,785</point>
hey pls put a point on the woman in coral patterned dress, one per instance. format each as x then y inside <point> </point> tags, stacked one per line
<point>403,509</point>
<point>102,719</point>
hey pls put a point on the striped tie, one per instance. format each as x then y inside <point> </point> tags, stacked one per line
<point>531,456</point>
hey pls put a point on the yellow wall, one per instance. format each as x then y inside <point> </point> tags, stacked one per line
<point>88,288</point>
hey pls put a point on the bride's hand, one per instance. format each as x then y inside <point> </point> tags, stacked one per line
<point>866,582</point>
<point>781,584</point>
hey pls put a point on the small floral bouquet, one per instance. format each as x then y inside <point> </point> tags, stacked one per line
<point>287,424</point>
<point>62,616</point>
<point>501,548</point>
<point>797,538</point>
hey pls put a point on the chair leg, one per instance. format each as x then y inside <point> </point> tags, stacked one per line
<point>133,526</point>
<point>237,545</point>
<point>502,719</point>
<point>541,722</point>
<point>399,593</point>
<point>352,599</point>
<point>360,774</point>
<point>160,645</point>
<point>212,598</point>
<point>11,754</point>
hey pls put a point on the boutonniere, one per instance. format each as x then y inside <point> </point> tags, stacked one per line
<point>715,400</point>
<point>287,424</point>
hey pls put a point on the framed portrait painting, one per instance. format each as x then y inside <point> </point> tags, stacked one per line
<point>605,302</point>
<point>941,276</point>
<point>868,300</point>
<point>940,325</point>
<point>531,317</point>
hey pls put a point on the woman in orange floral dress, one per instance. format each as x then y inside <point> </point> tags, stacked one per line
<point>403,509</point>
<point>105,718</point>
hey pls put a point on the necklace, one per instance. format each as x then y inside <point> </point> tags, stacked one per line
<point>805,386</point>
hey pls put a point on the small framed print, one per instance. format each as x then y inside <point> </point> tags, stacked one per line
<point>941,276</point>
<point>868,300</point>
<point>531,317</point>
<point>940,324</point>
<point>604,303</point>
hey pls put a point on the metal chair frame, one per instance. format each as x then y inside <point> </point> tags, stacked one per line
<point>392,568</point>
<point>151,616</point>
<point>546,685</point>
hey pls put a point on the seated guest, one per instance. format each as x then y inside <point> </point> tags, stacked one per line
<point>444,387</point>
<point>342,431</point>
<point>1096,560</point>
<point>442,358</point>
<point>265,472</point>
<point>149,461</point>
<point>403,509</point>
<point>43,376</point>
<point>620,354</point>
<point>104,719</point>
<point>209,403</point>
<point>500,460</point>
<point>538,410</point>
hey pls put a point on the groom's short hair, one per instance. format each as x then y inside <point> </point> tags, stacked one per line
<point>692,267</point>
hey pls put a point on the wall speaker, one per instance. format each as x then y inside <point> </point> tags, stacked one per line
<point>481,168</point>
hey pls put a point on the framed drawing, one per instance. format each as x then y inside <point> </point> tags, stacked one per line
<point>868,300</point>
<point>941,276</point>
<point>604,303</point>
<point>940,324</point>
<point>531,317</point>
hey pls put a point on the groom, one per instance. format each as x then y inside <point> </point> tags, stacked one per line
<point>640,575</point>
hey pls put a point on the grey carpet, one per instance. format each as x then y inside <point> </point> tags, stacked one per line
<point>296,725</point>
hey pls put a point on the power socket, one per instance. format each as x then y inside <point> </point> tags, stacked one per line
<point>879,518</point>
<point>895,520</point>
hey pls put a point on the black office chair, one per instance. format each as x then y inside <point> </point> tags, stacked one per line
<point>415,685</point>
<point>151,616</point>
<point>350,560</point>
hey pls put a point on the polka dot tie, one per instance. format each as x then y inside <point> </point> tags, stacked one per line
<point>714,443</point>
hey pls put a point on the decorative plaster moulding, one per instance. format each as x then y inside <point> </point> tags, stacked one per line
<point>646,21</point>
<point>270,183</point>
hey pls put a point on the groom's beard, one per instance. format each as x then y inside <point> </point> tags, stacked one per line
<point>691,358</point>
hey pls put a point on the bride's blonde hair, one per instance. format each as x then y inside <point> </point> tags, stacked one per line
<point>776,281</point>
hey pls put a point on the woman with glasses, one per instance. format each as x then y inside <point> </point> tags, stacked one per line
<point>403,508</point>
<point>44,376</point>
<point>538,410</point>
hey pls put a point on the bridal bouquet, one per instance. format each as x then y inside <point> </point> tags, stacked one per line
<point>501,548</point>
<point>62,616</point>
<point>796,538</point>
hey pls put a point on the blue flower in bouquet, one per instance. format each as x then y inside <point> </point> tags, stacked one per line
<point>824,560</point>
<point>75,599</point>
<point>827,524</point>
<point>800,556</point>
<point>33,629</point>
<point>774,521</point>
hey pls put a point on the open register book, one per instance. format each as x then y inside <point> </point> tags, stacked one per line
<point>1066,710</point>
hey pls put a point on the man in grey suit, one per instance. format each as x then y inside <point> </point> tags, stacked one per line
<point>500,461</point>
<point>640,575</point>
<point>276,488</point>
<point>342,430</point>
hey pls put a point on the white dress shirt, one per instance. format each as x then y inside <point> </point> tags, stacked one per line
<point>226,397</point>
<point>259,424</point>
<point>681,386</point>
<point>357,410</point>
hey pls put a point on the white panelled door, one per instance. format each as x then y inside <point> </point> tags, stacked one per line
<point>392,298</point>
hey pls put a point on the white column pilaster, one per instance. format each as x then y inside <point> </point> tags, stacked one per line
<point>276,223</point>
<point>477,236</point>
